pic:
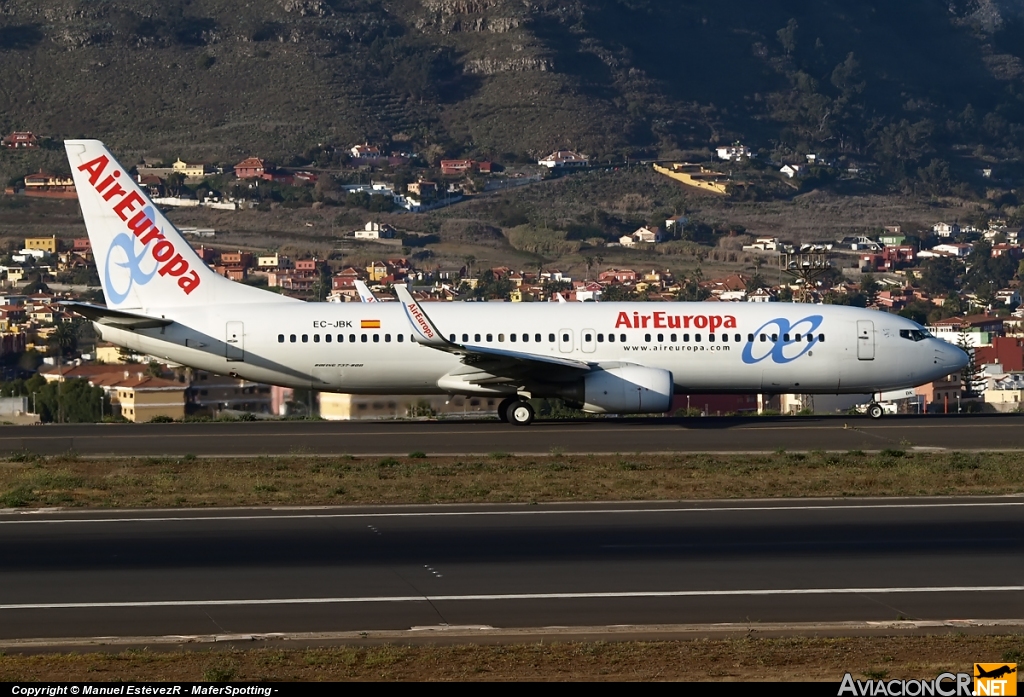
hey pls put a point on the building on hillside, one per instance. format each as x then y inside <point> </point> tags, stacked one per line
<point>142,398</point>
<point>43,244</point>
<point>563,159</point>
<point>736,151</point>
<point>254,168</point>
<point>20,139</point>
<point>191,170</point>
<point>376,231</point>
<point>449,167</point>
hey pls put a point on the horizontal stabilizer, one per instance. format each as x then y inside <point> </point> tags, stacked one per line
<point>115,318</point>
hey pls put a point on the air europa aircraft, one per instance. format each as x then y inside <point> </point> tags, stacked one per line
<point>602,357</point>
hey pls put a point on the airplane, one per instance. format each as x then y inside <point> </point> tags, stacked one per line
<point>995,672</point>
<point>621,358</point>
<point>365,294</point>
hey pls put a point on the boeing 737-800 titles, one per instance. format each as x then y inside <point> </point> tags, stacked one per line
<point>164,301</point>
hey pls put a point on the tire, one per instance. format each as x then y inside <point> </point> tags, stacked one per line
<point>519,413</point>
<point>875,411</point>
<point>503,406</point>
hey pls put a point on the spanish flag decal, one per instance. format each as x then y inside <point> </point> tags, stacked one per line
<point>369,324</point>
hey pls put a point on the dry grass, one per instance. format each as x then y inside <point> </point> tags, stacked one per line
<point>28,480</point>
<point>729,659</point>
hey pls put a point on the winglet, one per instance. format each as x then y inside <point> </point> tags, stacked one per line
<point>425,331</point>
<point>365,294</point>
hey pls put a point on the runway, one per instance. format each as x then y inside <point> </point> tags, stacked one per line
<point>362,569</point>
<point>651,435</point>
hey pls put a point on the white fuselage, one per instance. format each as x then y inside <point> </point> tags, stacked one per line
<point>369,348</point>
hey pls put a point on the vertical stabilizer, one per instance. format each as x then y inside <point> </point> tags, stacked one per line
<point>143,261</point>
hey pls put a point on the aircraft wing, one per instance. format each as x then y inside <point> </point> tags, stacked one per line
<point>115,318</point>
<point>492,361</point>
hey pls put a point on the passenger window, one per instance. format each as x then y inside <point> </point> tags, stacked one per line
<point>341,338</point>
<point>611,338</point>
<point>750,338</point>
<point>280,338</point>
<point>785,337</point>
<point>511,337</point>
<point>376,338</point>
<point>387,338</point>
<point>686,338</point>
<point>696,337</point>
<point>465,338</point>
<point>476,337</point>
<point>796,337</point>
<point>551,338</point>
<point>292,338</point>
<point>401,338</point>
<point>588,337</point>
<point>316,338</point>
<point>600,338</point>
<point>526,338</point>
<point>764,338</point>
<point>647,338</point>
<point>490,338</point>
<point>725,337</point>
<point>327,338</point>
<point>565,338</point>
<point>363,338</point>
<point>352,338</point>
<point>775,337</point>
<point>674,338</point>
<point>821,337</point>
<point>711,337</point>
<point>622,338</point>
<point>740,338</point>
<point>661,338</point>
<point>451,338</point>
<point>305,338</point>
<point>537,338</point>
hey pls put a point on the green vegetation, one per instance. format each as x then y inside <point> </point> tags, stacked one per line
<point>28,480</point>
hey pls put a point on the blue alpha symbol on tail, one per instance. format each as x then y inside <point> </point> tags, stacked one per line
<point>132,262</point>
<point>781,350</point>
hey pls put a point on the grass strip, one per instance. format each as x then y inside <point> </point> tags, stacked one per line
<point>33,481</point>
<point>771,659</point>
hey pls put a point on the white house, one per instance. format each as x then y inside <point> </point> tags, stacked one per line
<point>647,235</point>
<point>736,151</point>
<point>954,250</point>
<point>946,229</point>
<point>376,231</point>
<point>794,170</point>
<point>761,295</point>
<point>564,158</point>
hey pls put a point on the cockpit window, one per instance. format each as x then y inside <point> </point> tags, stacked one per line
<point>914,334</point>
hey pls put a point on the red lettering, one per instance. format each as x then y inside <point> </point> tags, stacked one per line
<point>716,322</point>
<point>686,321</point>
<point>153,234</point>
<point>700,321</point>
<point>128,202</point>
<point>189,283</point>
<point>163,251</point>
<point>95,168</point>
<point>645,319</point>
<point>113,191</point>
<point>673,321</point>
<point>730,322</point>
<point>623,321</point>
<point>659,320</point>
<point>175,267</point>
<point>139,224</point>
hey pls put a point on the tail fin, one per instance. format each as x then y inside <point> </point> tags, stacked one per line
<point>143,260</point>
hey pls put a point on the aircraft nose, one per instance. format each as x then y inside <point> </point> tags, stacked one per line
<point>951,358</point>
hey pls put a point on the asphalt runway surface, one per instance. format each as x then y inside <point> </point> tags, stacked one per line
<point>255,571</point>
<point>711,434</point>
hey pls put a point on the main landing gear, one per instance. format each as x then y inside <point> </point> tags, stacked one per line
<point>515,410</point>
<point>875,410</point>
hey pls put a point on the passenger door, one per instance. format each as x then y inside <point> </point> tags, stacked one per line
<point>865,340</point>
<point>589,342</point>
<point>565,341</point>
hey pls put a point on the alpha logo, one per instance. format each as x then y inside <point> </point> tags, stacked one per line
<point>663,320</point>
<point>780,349</point>
<point>995,679</point>
<point>124,203</point>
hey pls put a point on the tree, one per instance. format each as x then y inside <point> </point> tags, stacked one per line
<point>71,401</point>
<point>787,36</point>
<point>938,275</point>
<point>870,288</point>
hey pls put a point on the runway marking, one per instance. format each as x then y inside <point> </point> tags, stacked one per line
<point>515,596</point>
<point>452,514</point>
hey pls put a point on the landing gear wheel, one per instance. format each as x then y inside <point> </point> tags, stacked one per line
<point>875,411</point>
<point>503,406</point>
<point>519,413</point>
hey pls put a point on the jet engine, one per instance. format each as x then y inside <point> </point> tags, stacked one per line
<point>629,389</point>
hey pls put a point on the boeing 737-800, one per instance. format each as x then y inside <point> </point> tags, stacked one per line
<point>164,301</point>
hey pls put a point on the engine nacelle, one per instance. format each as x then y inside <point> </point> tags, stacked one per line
<point>629,389</point>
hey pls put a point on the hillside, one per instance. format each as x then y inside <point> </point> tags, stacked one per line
<point>926,89</point>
